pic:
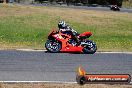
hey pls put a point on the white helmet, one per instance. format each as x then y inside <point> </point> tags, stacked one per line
<point>61,24</point>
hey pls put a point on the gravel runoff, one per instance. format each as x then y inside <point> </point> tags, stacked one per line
<point>60,85</point>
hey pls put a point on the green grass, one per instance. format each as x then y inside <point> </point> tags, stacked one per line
<point>28,27</point>
<point>23,30</point>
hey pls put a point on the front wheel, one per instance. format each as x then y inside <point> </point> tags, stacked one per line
<point>53,46</point>
<point>90,47</point>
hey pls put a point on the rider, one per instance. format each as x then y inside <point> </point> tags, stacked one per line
<point>66,29</point>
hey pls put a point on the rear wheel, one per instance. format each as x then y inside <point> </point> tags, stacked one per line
<point>53,46</point>
<point>90,47</point>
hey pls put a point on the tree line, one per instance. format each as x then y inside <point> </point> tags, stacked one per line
<point>83,2</point>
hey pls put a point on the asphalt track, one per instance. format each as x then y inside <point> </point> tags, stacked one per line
<point>96,8</point>
<point>18,65</point>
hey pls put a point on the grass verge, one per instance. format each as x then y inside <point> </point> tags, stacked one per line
<point>28,26</point>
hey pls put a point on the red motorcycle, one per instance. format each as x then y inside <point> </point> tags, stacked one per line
<point>59,42</point>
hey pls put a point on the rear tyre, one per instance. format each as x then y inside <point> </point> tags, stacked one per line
<point>53,46</point>
<point>90,47</point>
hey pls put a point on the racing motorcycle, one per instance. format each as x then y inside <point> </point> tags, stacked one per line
<point>114,8</point>
<point>59,42</point>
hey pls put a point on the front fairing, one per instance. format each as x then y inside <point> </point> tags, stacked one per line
<point>58,36</point>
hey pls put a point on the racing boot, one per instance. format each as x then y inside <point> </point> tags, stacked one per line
<point>78,41</point>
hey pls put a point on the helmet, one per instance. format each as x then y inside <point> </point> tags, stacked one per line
<point>61,25</point>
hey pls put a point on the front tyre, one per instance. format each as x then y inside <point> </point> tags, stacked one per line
<point>90,47</point>
<point>53,46</point>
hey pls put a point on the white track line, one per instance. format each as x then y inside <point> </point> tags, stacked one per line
<point>116,52</point>
<point>60,82</point>
<point>37,82</point>
<point>96,52</point>
<point>29,50</point>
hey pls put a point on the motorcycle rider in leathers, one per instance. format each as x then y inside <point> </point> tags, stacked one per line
<point>66,29</point>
